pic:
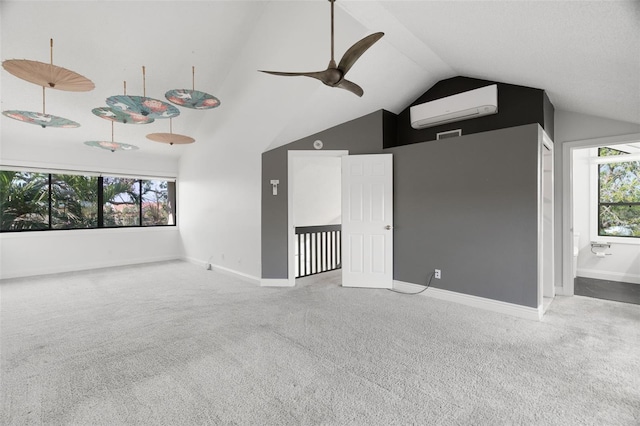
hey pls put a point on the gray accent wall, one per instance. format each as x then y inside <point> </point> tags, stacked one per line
<point>468,206</point>
<point>465,205</point>
<point>360,136</point>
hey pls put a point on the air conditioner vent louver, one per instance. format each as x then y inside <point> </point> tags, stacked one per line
<point>462,106</point>
<point>449,134</point>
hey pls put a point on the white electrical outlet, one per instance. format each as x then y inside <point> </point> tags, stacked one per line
<point>437,274</point>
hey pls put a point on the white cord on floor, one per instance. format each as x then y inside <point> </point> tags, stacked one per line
<point>417,292</point>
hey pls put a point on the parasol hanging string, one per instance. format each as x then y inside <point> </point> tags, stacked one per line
<point>51,65</point>
<point>193,78</point>
<point>171,125</point>
<point>125,87</point>
<point>112,132</point>
<point>43,109</point>
<point>144,83</point>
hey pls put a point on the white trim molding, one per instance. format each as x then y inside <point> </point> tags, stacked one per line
<point>276,282</point>
<point>512,309</point>
<point>224,270</point>
<point>62,269</point>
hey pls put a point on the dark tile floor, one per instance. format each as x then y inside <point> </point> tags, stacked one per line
<point>609,290</point>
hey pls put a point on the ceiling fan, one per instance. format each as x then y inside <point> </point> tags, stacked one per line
<point>333,76</point>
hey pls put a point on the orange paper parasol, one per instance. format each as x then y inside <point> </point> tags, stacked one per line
<point>48,75</point>
<point>170,138</point>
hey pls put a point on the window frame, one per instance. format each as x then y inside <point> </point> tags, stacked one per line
<point>596,163</point>
<point>100,204</point>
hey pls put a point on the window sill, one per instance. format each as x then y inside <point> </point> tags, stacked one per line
<point>78,232</point>
<point>616,240</point>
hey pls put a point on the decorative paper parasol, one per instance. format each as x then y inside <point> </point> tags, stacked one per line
<point>112,146</point>
<point>48,75</point>
<point>170,138</point>
<point>141,105</point>
<point>192,98</point>
<point>42,119</point>
<point>112,114</point>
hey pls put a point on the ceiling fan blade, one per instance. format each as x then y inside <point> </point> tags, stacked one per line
<point>350,86</point>
<point>323,76</point>
<point>355,51</point>
<point>289,74</point>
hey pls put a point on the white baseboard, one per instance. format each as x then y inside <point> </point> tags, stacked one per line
<point>224,270</point>
<point>36,271</point>
<point>276,282</point>
<point>609,276</point>
<point>512,309</point>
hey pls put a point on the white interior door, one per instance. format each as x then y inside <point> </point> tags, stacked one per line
<point>367,221</point>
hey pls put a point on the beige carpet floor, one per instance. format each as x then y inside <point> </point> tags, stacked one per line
<point>174,344</point>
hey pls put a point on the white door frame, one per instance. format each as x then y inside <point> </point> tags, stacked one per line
<point>291,228</point>
<point>546,232</point>
<point>567,199</point>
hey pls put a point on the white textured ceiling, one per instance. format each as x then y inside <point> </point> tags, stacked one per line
<point>585,54</point>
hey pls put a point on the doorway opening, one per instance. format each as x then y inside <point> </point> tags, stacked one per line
<point>314,212</point>
<point>363,194</point>
<point>599,259</point>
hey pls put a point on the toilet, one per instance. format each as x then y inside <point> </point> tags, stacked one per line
<point>576,250</point>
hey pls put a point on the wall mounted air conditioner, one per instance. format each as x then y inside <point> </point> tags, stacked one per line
<point>471,104</point>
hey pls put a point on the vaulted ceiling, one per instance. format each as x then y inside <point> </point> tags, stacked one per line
<point>584,54</point>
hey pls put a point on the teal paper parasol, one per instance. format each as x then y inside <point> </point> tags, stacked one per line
<point>118,116</point>
<point>142,105</point>
<point>41,118</point>
<point>194,99</point>
<point>111,146</point>
<point>44,120</point>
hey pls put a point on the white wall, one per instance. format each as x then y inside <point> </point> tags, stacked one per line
<point>317,191</point>
<point>42,252</point>
<point>89,159</point>
<point>219,207</point>
<point>220,186</point>
<point>623,263</point>
<point>569,127</point>
<point>573,126</point>
<point>47,252</point>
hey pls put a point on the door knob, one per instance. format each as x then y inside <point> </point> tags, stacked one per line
<point>388,227</point>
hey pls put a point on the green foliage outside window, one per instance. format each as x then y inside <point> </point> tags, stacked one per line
<point>156,205</point>
<point>619,196</point>
<point>74,201</point>
<point>24,201</point>
<point>39,201</point>
<point>122,202</point>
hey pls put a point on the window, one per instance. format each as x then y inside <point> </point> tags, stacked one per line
<point>121,202</point>
<point>24,201</point>
<point>618,195</point>
<point>41,201</point>
<point>74,202</point>
<point>158,199</point>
